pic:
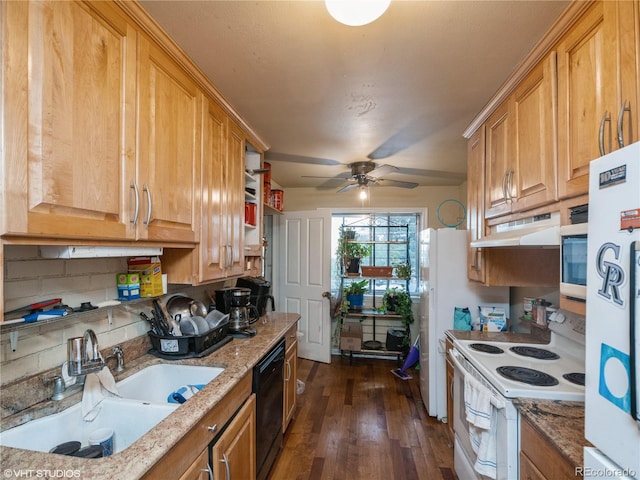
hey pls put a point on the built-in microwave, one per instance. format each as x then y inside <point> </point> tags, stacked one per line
<point>573,261</point>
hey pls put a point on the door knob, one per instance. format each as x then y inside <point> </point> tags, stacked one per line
<point>326,294</point>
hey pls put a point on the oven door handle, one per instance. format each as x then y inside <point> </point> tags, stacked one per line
<point>454,358</point>
<point>496,401</point>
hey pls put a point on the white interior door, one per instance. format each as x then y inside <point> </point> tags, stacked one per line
<point>305,274</point>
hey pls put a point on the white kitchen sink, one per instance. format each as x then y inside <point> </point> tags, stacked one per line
<point>157,382</point>
<point>129,419</point>
<point>142,405</point>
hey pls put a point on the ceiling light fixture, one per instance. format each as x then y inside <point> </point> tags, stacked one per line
<point>363,192</point>
<point>356,13</point>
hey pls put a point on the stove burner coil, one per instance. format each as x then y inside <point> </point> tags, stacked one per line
<point>527,375</point>
<point>574,377</point>
<point>535,352</point>
<point>486,348</point>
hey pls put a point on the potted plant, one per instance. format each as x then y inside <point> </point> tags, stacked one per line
<point>354,294</point>
<point>403,270</point>
<point>350,252</point>
<point>399,302</point>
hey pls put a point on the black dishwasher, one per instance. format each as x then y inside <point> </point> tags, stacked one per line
<point>268,384</point>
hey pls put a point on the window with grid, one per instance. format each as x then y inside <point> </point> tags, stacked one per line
<point>393,238</point>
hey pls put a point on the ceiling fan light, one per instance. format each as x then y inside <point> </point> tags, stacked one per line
<point>356,13</point>
<point>363,193</point>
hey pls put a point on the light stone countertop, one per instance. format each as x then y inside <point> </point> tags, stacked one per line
<point>238,357</point>
<point>560,423</point>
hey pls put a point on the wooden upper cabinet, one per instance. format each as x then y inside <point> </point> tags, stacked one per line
<point>233,195</point>
<point>520,141</point>
<point>533,177</point>
<point>220,214</point>
<point>169,147</point>
<point>475,203</point>
<point>221,252</point>
<point>211,251</point>
<point>497,163</point>
<point>597,78</point>
<point>69,119</point>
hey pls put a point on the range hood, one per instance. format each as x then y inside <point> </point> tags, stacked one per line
<point>538,231</point>
<point>81,251</point>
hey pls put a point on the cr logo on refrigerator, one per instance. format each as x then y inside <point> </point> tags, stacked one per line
<point>611,273</point>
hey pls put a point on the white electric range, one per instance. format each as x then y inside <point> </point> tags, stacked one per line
<point>556,370</point>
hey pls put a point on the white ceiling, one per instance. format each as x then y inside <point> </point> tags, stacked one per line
<point>400,90</point>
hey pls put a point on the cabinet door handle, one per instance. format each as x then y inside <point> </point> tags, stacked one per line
<point>504,186</point>
<point>134,185</point>
<point>288,377</point>
<point>208,471</point>
<point>605,118</point>
<point>229,256</point>
<point>475,265</point>
<point>227,468</point>
<point>510,184</point>
<point>626,107</point>
<point>212,428</point>
<point>147,190</point>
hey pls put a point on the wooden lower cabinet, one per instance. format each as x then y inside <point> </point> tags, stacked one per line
<point>528,470</point>
<point>234,454</point>
<point>234,416</point>
<point>200,469</point>
<point>450,399</point>
<point>290,376</point>
<point>539,460</point>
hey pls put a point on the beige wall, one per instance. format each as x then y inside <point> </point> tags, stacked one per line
<point>304,199</point>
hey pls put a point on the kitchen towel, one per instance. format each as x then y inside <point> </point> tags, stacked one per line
<point>477,403</point>
<point>484,444</point>
<point>480,410</point>
<point>97,386</point>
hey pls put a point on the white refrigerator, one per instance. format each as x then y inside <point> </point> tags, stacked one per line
<point>444,286</point>
<point>612,330</point>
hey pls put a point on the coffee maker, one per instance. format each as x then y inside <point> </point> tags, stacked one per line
<point>260,292</point>
<point>236,302</point>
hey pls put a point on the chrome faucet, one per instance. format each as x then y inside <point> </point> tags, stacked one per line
<point>80,358</point>
<point>58,387</point>
<point>118,354</point>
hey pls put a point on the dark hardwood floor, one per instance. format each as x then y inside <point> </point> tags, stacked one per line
<point>358,421</point>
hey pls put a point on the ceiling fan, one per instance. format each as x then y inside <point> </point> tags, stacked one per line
<point>364,174</point>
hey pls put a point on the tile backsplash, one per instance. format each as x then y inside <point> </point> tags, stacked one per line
<point>29,278</point>
<point>42,346</point>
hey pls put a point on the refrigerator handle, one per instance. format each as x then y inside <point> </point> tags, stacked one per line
<point>634,271</point>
